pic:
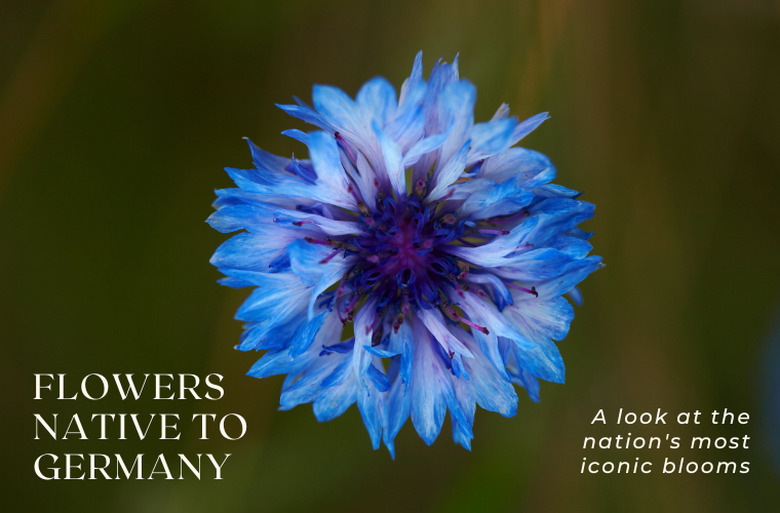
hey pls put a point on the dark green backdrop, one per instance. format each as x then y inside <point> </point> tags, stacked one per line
<point>117,117</point>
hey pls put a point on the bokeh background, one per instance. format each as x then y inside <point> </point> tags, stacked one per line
<point>117,117</point>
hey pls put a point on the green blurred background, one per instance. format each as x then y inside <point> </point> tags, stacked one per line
<point>117,117</point>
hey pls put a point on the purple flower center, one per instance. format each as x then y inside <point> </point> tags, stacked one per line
<point>404,260</point>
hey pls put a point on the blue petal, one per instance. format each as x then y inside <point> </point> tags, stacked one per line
<point>304,335</point>
<point>539,318</point>
<point>501,113</point>
<point>573,274</point>
<point>273,362</point>
<point>342,372</point>
<point>500,293</point>
<point>575,295</point>
<point>306,386</point>
<point>364,320</point>
<point>530,383</point>
<point>493,253</point>
<point>266,161</point>
<point>414,80</point>
<point>528,126</point>
<point>304,221</point>
<point>433,321</point>
<point>408,127</point>
<point>235,283</point>
<point>306,114</point>
<point>462,432</point>
<point>403,343</point>
<point>542,361</point>
<point>377,99</point>
<point>268,335</point>
<point>335,106</point>
<point>422,147</point>
<point>490,138</point>
<point>498,325</point>
<point>306,261</point>
<point>393,163</point>
<point>534,264</point>
<point>429,405</point>
<point>449,173</point>
<point>492,390</point>
<point>380,352</point>
<point>552,190</point>
<point>334,401</point>
<point>327,163</point>
<point>378,379</point>
<point>305,389</point>
<point>441,76</point>
<point>504,199</point>
<point>539,321</point>
<point>438,114</point>
<point>278,296</point>
<point>558,215</point>
<point>296,134</point>
<point>372,411</point>
<point>522,165</point>
<point>398,406</point>
<point>234,217</point>
<point>250,251</point>
<point>432,389</point>
<point>456,116</point>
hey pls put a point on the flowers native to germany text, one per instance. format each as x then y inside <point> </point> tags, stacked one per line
<point>415,263</point>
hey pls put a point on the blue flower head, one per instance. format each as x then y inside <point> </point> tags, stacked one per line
<point>414,263</point>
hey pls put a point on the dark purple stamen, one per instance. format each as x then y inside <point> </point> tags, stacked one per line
<point>453,315</point>
<point>344,145</point>
<point>532,290</point>
<point>493,232</point>
<point>353,192</point>
<point>327,242</point>
<point>329,257</point>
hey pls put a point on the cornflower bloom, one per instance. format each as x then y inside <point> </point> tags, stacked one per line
<point>415,263</point>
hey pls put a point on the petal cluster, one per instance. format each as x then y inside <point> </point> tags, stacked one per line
<point>415,263</point>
